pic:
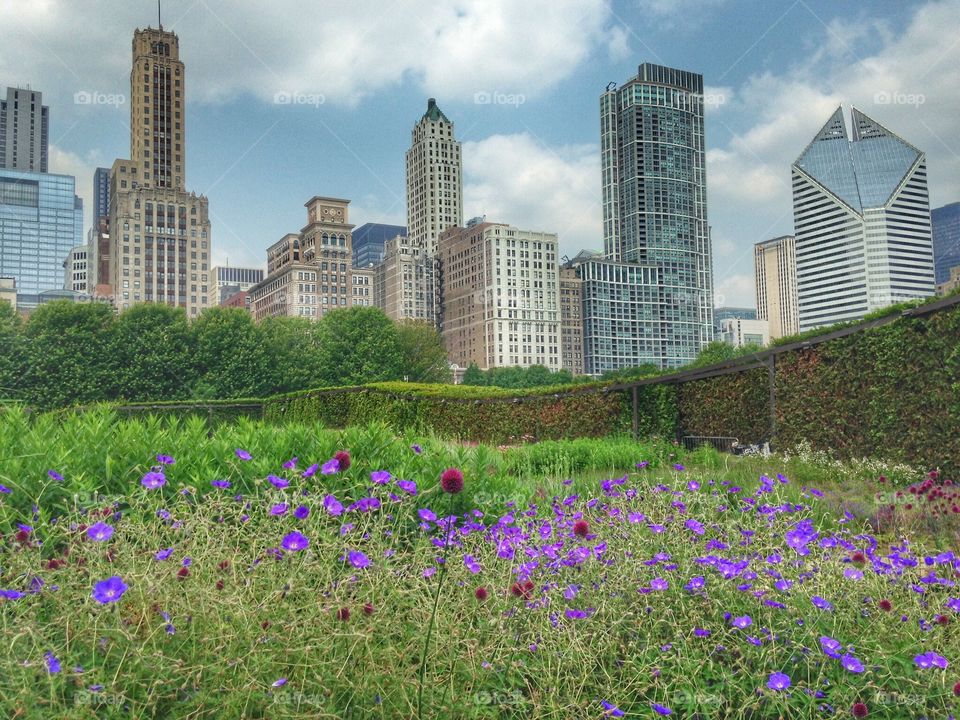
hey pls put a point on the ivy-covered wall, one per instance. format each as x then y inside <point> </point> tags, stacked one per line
<point>735,405</point>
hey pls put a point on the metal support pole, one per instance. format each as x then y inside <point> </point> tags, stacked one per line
<point>636,418</point>
<point>771,375</point>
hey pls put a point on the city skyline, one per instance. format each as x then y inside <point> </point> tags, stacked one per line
<point>765,98</point>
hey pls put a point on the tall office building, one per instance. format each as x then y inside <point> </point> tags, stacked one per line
<point>41,219</point>
<point>101,194</point>
<point>75,270</point>
<point>571,321</point>
<point>369,240</point>
<point>499,288</point>
<point>775,277</point>
<point>946,240</point>
<point>862,222</point>
<point>403,281</point>
<point>434,179</point>
<point>655,215</point>
<point>24,131</point>
<point>227,281</point>
<point>160,238</point>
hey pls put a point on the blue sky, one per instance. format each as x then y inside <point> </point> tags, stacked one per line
<point>361,72</point>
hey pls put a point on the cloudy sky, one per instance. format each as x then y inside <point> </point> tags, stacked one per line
<point>289,99</point>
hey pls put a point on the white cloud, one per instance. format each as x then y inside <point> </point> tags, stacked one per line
<point>63,162</point>
<point>341,49</point>
<point>735,291</point>
<point>517,180</point>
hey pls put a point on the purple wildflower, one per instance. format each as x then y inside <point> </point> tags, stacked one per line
<point>109,590</point>
<point>416,448</point>
<point>661,709</point>
<point>380,477</point>
<point>471,564</point>
<point>851,664</point>
<point>220,483</point>
<point>290,464</point>
<point>659,584</point>
<point>153,480</point>
<point>407,486</point>
<point>279,509</point>
<point>778,681</point>
<point>278,482</point>
<point>302,512</point>
<point>5,490</point>
<point>310,471</point>
<point>611,709</point>
<point>279,683</point>
<point>243,454</point>
<point>164,554</point>
<point>54,475</point>
<point>820,603</point>
<point>358,559</point>
<point>332,505</point>
<point>100,532</point>
<point>294,541</point>
<point>700,632</point>
<point>165,460</point>
<point>931,659</point>
<point>742,622</point>
<point>330,467</point>
<point>53,665</point>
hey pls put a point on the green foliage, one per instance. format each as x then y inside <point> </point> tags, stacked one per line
<point>69,354</point>
<point>230,358</point>
<point>359,345</point>
<point>423,356</point>
<point>520,377</point>
<point>474,375</point>
<point>293,347</point>
<point>719,351</point>
<point>633,373</point>
<point>735,405</point>
<point>12,353</point>
<point>153,351</point>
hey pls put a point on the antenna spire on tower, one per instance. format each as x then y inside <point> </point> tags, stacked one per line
<point>159,21</point>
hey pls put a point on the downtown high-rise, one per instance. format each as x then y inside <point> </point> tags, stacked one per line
<point>649,298</point>
<point>24,131</point>
<point>159,234</point>
<point>861,221</point>
<point>775,280</point>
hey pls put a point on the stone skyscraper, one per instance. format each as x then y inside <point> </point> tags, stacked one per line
<point>434,179</point>
<point>160,238</point>
<point>24,131</point>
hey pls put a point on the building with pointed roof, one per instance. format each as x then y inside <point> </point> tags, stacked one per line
<point>862,222</point>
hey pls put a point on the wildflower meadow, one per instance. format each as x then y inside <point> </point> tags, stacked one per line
<point>174,570</point>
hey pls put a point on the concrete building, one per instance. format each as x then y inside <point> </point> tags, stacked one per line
<point>434,179</point>
<point>945,229</point>
<point>41,219</point>
<point>726,313</point>
<point>8,291</point>
<point>75,272</point>
<point>655,212</point>
<point>500,296</point>
<point>369,240</point>
<point>571,321</point>
<point>240,299</point>
<point>24,131</point>
<point>740,332</point>
<point>775,277</point>
<point>101,194</point>
<point>310,273</point>
<point>227,281</point>
<point>159,234</point>
<point>403,281</point>
<point>862,222</point>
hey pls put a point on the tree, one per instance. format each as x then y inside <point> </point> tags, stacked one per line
<point>423,357</point>
<point>473,375</point>
<point>68,354</point>
<point>714,352</point>
<point>293,346</point>
<point>359,345</point>
<point>231,359</point>
<point>153,352</point>
<point>12,353</point>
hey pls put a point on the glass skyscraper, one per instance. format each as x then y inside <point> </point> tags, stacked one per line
<point>946,239</point>
<point>659,309</point>
<point>862,222</point>
<point>369,240</point>
<point>41,219</point>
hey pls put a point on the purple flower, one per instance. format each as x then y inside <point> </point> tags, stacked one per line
<point>642,464</point>
<point>696,583</point>
<point>661,709</point>
<point>100,531</point>
<point>471,564</point>
<point>428,572</point>
<point>279,683</point>
<point>53,665</point>
<point>416,448</point>
<point>851,664</point>
<point>700,632</point>
<point>330,467</point>
<point>109,590</point>
<point>659,584</point>
<point>290,464</point>
<point>574,614</point>
<point>358,559</point>
<point>220,483</point>
<point>278,482</point>
<point>243,454</point>
<point>302,512</point>
<point>11,594</point>
<point>310,471</point>
<point>165,460</point>
<point>678,467</point>
<point>278,509</point>
<point>819,602</point>
<point>380,477</point>
<point>54,475</point>
<point>931,659</point>
<point>5,490</point>
<point>427,515</point>
<point>332,505</point>
<point>830,646</point>
<point>153,480</point>
<point>778,681</point>
<point>742,622</point>
<point>164,554</point>
<point>294,541</point>
<point>612,710</point>
<point>407,486</point>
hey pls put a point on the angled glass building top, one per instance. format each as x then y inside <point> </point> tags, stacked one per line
<point>863,172</point>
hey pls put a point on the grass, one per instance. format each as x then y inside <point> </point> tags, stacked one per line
<point>231,625</point>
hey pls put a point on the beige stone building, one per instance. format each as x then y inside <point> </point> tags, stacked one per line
<point>160,243</point>
<point>310,273</point>
<point>404,287</point>
<point>775,274</point>
<point>434,179</point>
<point>500,296</point>
<point>571,321</point>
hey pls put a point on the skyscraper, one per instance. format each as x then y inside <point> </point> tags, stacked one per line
<point>775,275</point>
<point>655,221</point>
<point>101,194</point>
<point>434,179</point>
<point>946,240</point>
<point>159,234</point>
<point>24,131</point>
<point>369,240</point>
<point>862,222</point>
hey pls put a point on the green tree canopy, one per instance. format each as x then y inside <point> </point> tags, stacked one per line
<point>423,356</point>
<point>230,359</point>
<point>12,353</point>
<point>294,348</point>
<point>359,345</point>
<point>153,350</point>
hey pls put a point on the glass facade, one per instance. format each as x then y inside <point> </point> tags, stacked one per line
<point>946,239</point>
<point>368,242</point>
<point>655,205</point>
<point>41,219</point>
<point>101,194</point>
